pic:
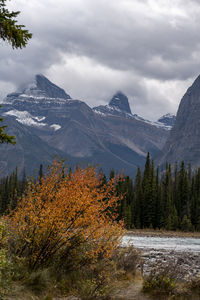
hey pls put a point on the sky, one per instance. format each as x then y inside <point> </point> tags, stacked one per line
<point>148,49</point>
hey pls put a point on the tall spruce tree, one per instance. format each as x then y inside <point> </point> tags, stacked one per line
<point>138,208</point>
<point>40,174</point>
<point>183,208</point>
<point>159,203</point>
<point>195,200</point>
<point>149,196</point>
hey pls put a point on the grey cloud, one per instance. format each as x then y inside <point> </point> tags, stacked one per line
<point>118,38</point>
<point>18,66</point>
<point>127,38</point>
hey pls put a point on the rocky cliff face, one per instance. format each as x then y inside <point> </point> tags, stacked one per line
<point>108,136</point>
<point>184,140</point>
<point>50,89</point>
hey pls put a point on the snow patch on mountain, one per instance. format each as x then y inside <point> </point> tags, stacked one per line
<point>55,126</point>
<point>39,119</point>
<point>14,97</point>
<point>26,118</point>
<point>108,110</point>
<point>112,108</point>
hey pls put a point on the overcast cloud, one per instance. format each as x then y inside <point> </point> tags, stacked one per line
<point>149,49</point>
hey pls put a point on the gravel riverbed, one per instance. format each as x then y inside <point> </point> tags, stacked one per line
<point>182,253</point>
<point>186,265</point>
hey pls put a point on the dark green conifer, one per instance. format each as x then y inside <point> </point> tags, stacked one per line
<point>138,209</point>
<point>40,175</point>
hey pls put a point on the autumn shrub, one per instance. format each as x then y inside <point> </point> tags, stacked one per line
<point>67,223</point>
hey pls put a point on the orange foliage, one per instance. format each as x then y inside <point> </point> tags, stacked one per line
<point>62,207</point>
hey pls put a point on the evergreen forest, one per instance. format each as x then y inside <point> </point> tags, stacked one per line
<point>161,200</point>
<point>167,200</point>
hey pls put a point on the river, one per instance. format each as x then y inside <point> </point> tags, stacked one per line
<point>180,244</point>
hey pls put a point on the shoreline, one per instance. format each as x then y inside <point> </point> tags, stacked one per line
<point>162,233</point>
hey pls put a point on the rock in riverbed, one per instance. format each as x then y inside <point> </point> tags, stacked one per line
<point>186,264</point>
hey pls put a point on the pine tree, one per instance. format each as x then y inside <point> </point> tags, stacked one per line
<point>158,203</point>
<point>23,182</point>
<point>152,205</point>
<point>5,196</point>
<point>10,31</point>
<point>112,174</point>
<point>167,198</point>
<point>195,200</point>
<point>40,175</point>
<point>18,37</point>
<point>183,208</point>
<point>15,190</point>
<point>128,217</point>
<point>149,193</point>
<point>138,209</point>
<point>4,137</point>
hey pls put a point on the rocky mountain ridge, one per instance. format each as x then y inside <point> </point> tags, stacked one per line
<point>119,106</point>
<point>114,138</point>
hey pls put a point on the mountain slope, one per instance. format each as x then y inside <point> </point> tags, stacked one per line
<point>29,152</point>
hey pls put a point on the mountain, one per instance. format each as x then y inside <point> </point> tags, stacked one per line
<point>167,120</point>
<point>47,121</point>
<point>118,106</point>
<point>40,88</point>
<point>183,143</point>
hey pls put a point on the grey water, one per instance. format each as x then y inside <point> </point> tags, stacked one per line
<point>179,244</point>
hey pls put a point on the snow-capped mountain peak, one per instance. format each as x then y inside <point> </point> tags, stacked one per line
<point>50,89</point>
<point>118,106</point>
<point>40,88</point>
<point>120,102</point>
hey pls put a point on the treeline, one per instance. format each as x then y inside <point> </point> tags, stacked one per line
<point>12,188</point>
<point>169,199</point>
<point>165,200</point>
